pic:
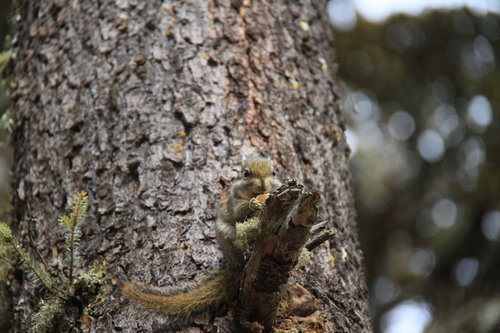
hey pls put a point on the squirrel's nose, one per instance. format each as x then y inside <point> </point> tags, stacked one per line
<point>262,186</point>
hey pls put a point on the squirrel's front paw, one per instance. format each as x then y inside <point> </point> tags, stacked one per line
<point>256,204</point>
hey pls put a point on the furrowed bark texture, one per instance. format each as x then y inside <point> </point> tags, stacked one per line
<point>149,106</point>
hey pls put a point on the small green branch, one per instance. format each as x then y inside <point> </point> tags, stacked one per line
<point>7,260</point>
<point>72,248</point>
<point>86,286</point>
<point>79,210</point>
<point>27,261</point>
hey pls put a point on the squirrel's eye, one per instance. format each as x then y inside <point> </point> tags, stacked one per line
<point>246,173</point>
<point>274,173</point>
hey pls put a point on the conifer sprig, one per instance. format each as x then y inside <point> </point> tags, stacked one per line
<point>71,224</point>
<point>42,321</point>
<point>40,274</point>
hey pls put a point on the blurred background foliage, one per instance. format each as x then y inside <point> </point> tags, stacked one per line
<point>6,271</point>
<point>421,97</point>
<point>422,105</point>
<point>5,148</point>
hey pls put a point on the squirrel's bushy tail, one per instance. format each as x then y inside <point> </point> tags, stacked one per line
<point>209,297</point>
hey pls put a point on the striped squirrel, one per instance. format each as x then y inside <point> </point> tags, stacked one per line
<point>214,294</point>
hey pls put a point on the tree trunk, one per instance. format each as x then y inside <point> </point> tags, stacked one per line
<point>149,106</point>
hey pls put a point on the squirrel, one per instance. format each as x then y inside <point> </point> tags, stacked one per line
<point>214,294</point>
<point>258,177</point>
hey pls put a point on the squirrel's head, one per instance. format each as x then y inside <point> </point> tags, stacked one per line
<point>258,176</point>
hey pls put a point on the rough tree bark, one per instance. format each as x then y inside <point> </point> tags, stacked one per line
<point>149,106</point>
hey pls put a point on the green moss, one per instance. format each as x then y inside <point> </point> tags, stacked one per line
<point>304,257</point>
<point>246,233</point>
<point>5,232</point>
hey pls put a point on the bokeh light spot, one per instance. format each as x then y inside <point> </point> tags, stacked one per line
<point>385,290</point>
<point>490,225</point>
<point>399,37</point>
<point>444,213</point>
<point>408,317</point>
<point>352,141</point>
<point>446,121</point>
<point>483,50</point>
<point>430,146</point>
<point>342,14</point>
<point>422,262</point>
<point>465,271</point>
<point>479,113</point>
<point>365,108</point>
<point>401,125</point>
<point>359,64</point>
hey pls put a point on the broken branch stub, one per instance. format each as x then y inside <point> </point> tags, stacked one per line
<point>286,221</point>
